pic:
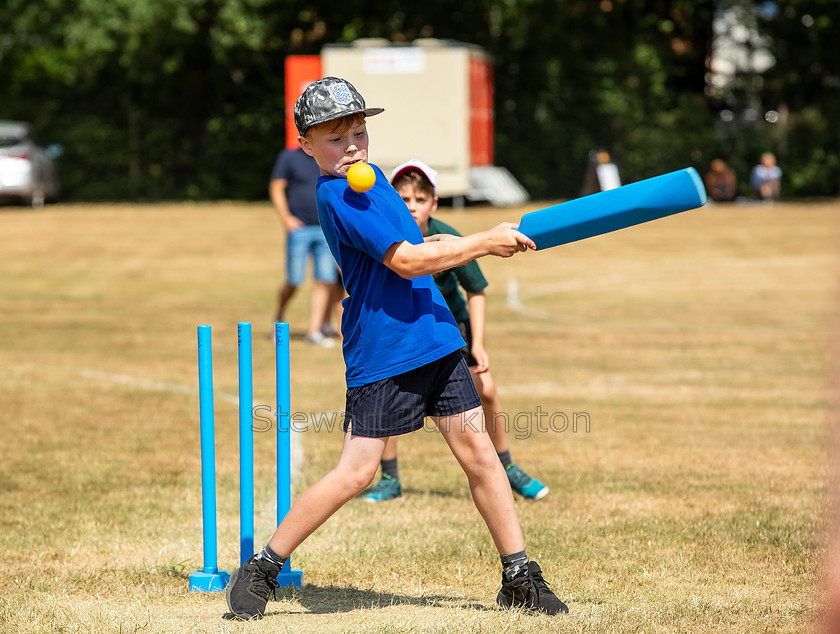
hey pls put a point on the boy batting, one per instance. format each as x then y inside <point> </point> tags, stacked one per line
<point>401,350</point>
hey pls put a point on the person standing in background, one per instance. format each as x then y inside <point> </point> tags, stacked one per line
<point>292,192</point>
<point>416,183</point>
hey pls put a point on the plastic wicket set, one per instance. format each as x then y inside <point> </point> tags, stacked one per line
<point>210,578</point>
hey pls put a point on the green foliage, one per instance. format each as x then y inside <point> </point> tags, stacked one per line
<point>184,98</point>
<point>590,78</point>
<point>805,83</point>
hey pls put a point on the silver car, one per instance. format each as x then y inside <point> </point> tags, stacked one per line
<point>27,171</point>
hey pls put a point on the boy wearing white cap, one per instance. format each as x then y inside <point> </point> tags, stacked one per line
<point>416,183</point>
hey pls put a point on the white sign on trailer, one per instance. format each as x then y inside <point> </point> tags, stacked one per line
<point>393,61</point>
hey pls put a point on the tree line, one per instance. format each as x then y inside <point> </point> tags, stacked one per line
<point>183,99</point>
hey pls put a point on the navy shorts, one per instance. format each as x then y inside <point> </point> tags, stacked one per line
<point>399,404</point>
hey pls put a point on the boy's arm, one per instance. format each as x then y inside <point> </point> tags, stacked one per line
<point>439,237</point>
<point>477,307</point>
<point>277,192</point>
<point>412,260</point>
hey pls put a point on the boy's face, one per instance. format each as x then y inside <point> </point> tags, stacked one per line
<point>420,203</point>
<point>335,151</point>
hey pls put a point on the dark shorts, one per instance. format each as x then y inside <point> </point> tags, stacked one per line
<point>399,404</point>
<point>466,351</point>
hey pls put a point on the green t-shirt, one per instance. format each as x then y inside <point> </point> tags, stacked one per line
<point>450,282</point>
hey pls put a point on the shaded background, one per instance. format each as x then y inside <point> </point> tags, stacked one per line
<point>183,99</point>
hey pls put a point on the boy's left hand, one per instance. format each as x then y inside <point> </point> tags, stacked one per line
<point>482,359</point>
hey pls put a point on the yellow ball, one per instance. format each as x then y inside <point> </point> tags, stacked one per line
<point>360,177</point>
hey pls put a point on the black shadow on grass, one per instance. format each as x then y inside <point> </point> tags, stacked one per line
<point>408,491</point>
<point>334,599</point>
<point>455,495</point>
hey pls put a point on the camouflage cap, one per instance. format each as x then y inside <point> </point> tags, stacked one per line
<point>327,99</point>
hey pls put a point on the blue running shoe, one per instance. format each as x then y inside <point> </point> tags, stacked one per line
<point>525,485</point>
<point>387,488</point>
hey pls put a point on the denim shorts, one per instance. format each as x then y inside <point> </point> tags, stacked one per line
<point>300,244</point>
<point>399,404</point>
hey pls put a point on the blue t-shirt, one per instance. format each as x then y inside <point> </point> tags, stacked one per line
<point>300,171</point>
<point>763,174</point>
<point>390,325</point>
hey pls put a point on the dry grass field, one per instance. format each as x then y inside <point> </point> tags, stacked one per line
<point>688,491</point>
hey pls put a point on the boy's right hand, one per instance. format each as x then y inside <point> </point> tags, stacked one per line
<point>293,223</point>
<point>504,240</point>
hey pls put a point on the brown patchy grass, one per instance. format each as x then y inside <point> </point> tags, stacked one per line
<point>695,345</point>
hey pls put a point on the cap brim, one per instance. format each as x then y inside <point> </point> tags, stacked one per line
<point>407,168</point>
<point>368,112</point>
<point>413,167</point>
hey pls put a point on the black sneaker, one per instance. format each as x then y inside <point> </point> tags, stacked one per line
<point>249,587</point>
<point>529,591</point>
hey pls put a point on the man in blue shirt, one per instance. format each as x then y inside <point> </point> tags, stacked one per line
<point>292,192</point>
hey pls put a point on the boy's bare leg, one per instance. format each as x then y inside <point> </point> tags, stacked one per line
<point>285,293</point>
<point>334,307</point>
<point>355,469</point>
<point>486,387</point>
<point>318,303</point>
<point>522,483</point>
<point>469,442</point>
<point>389,487</point>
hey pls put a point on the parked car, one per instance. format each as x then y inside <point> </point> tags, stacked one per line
<point>27,171</point>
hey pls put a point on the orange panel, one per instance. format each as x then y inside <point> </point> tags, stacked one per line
<point>481,112</point>
<point>301,70</point>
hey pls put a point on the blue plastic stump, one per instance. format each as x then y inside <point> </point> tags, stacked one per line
<point>246,444</point>
<point>201,581</point>
<point>209,578</point>
<point>287,576</point>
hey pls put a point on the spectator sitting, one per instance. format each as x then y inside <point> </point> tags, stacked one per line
<point>766,178</point>
<point>720,181</point>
